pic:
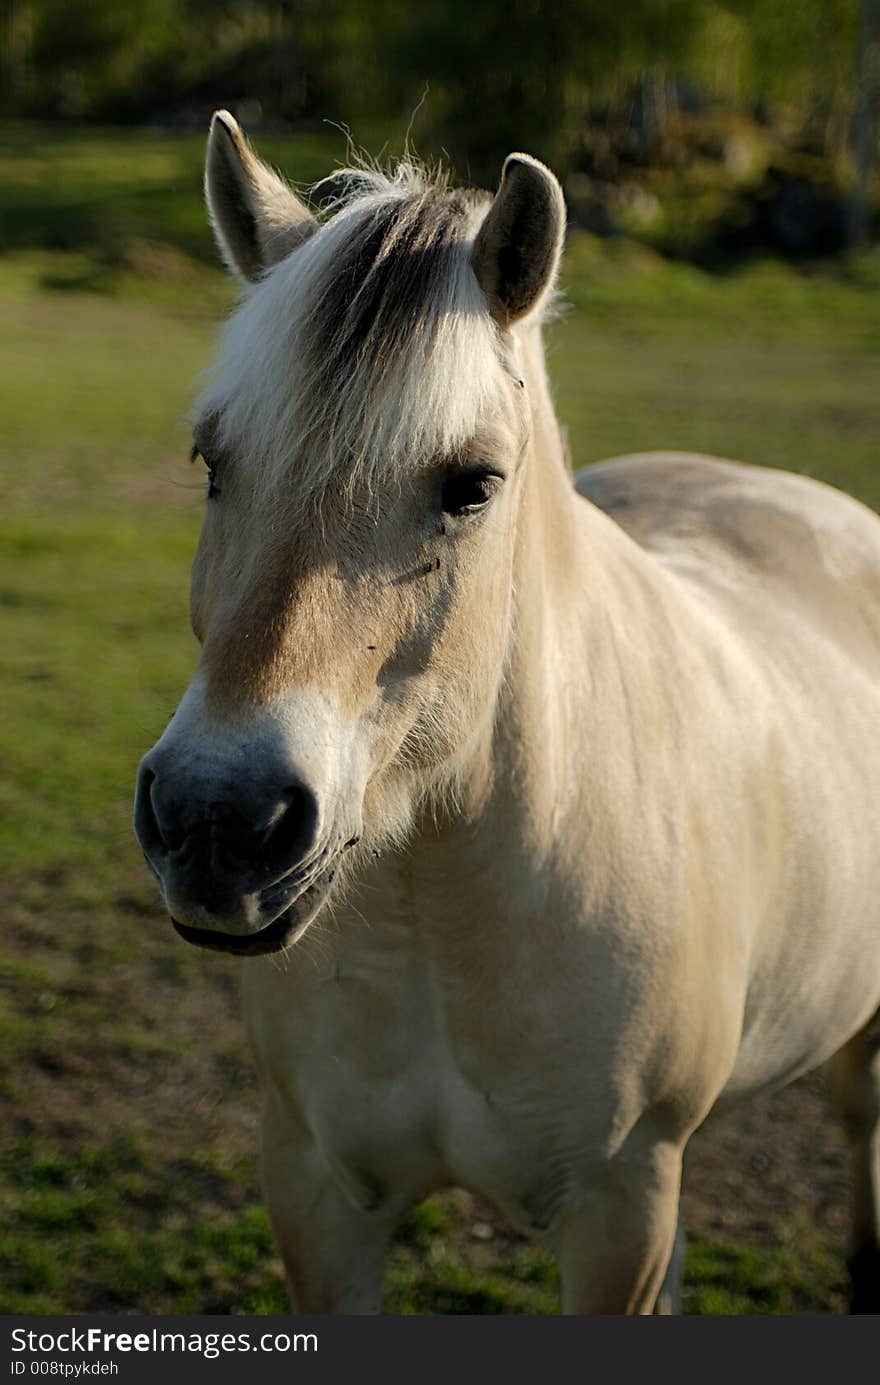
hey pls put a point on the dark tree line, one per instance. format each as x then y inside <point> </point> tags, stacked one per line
<point>491,69</point>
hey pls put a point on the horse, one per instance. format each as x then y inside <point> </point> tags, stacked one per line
<point>543,810</point>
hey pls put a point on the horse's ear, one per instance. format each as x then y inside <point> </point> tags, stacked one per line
<point>257,218</point>
<point>517,249</point>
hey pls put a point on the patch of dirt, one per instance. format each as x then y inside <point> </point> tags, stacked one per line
<point>779,1158</point>
<point>135,1038</point>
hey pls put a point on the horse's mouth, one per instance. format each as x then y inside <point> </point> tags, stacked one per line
<point>272,938</point>
<point>284,930</point>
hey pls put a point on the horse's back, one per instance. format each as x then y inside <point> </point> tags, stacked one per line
<point>752,536</point>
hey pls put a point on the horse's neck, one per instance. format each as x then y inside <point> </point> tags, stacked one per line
<point>588,604</point>
<point>576,575</point>
<point>530,729</point>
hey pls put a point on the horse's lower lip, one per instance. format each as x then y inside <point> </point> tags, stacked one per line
<point>269,939</point>
<point>284,929</point>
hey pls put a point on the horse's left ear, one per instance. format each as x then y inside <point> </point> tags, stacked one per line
<point>257,218</point>
<point>517,249</point>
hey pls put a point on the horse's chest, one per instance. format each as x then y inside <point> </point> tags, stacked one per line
<point>402,1096</point>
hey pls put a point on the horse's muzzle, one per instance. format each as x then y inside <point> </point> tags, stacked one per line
<point>239,871</point>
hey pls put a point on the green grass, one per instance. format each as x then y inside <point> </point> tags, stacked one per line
<point>105,1224</point>
<point>94,659</point>
<point>110,1228</point>
<point>109,306</point>
<point>96,190</point>
<point>766,365</point>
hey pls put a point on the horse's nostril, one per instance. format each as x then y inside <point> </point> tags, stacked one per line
<point>146,823</point>
<point>156,829</point>
<point>292,828</point>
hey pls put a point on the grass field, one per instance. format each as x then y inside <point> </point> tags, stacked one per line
<point>127,1103</point>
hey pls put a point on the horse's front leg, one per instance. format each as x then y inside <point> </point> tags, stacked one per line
<point>669,1298</point>
<point>613,1249</point>
<point>333,1250</point>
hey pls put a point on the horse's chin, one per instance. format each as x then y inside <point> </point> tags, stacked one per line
<point>282,932</point>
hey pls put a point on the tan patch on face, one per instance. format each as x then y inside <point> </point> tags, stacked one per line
<point>281,602</point>
<point>293,623</point>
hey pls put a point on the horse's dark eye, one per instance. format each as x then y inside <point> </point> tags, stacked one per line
<point>213,488</point>
<point>466,492</point>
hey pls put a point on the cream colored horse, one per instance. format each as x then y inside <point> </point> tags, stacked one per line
<point>575,788</point>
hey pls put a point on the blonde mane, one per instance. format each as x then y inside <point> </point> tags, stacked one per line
<point>369,348</point>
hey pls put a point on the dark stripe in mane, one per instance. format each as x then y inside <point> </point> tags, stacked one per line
<point>394,266</point>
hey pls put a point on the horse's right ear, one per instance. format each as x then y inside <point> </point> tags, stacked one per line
<point>257,218</point>
<point>517,249</point>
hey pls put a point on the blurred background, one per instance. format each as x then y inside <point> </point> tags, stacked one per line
<point>720,163</point>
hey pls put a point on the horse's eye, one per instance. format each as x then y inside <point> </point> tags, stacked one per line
<point>466,492</point>
<point>213,488</point>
